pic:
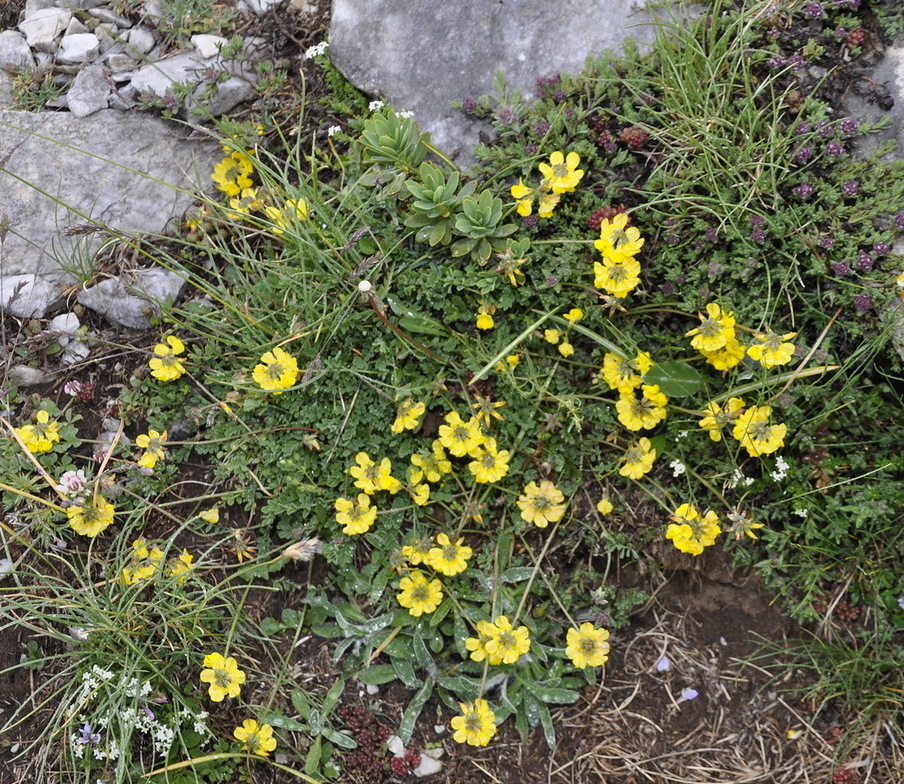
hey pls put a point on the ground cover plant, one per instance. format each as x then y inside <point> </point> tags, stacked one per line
<point>469,411</point>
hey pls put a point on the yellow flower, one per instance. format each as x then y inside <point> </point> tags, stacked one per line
<point>42,435</point>
<point>476,725</point>
<point>246,202</point>
<point>642,413</point>
<point>718,418</point>
<point>408,416</point>
<point>372,477</point>
<point>293,211</point>
<point>211,515</point>
<point>434,464</point>
<point>508,643</point>
<point>181,566</point>
<point>91,519</point>
<point>486,410</point>
<point>715,330</point>
<point>638,459</point>
<point>574,315</point>
<point>566,349</point>
<point>587,646</point>
<point>489,464</point>
<point>541,504</point>
<point>618,278</point>
<point>223,675</point>
<point>418,551</point>
<point>525,198</point>
<point>548,201</point>
<point>231,174</point>
<point>692,532</point>
<point>419,595</point>
<point>461,438</point>
<point>256,738</point>
<point>277,371</point>
<point>620,374</point>
<point>485,317</point>
<point>449,559</point>
<point>618,242</point>
<point>420,493</point>
<point>552,336</point>
<point>152,443</point>
<point>756,434</point>
<point>165,364</point>
<point>771,351</point>
<point>604,506</point>
<point>561,174</point>
<point>478,645</point>
<point>727,357</point>
<point>356,516</point>
<point>899,282</point>
<point>144,563</point>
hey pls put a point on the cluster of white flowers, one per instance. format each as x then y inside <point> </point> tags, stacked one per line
<point>72,483</point>
<point>406,115</point>
<point>739,478</point>
<point>316,50</point>
<point>802,513</point>
<point>333,130</point>
<point>678,468</point>
<point>375,106</point>
<point>781,469</point>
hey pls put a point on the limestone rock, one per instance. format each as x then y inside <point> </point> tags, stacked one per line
<point>6,89</point>
<point>90,91</point>
<point>75,27</point>
<point>208,45</point>
<point>119,169</point>
<point>42,27</point>
<point>871,105</point>
<point>107,15</point>
<point>27,295</point>
<point>256,7</point>
<point>130,300</point>
<point>78,48</point>
<point>421,56</point>
<point>15,52</point>
<point>141,40</point>
<point>35,5</point>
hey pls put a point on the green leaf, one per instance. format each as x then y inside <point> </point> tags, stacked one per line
<point>517,574</point>
<point>421,654</point>
<point>332,696</point>
<point>551,694</point>
<point>441,612</point>
<point>406,726</point>
<point>285,723</point>
<point>312,760</point>
<point>377,675</point>
<point>406,673</point>
<point>301,703</point>
<point>548,730</point>
<point>338,739</point>
<point>676,378</point>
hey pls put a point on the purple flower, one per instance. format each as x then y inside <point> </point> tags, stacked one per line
<point>814,11</point>
<point>690,694</point>
<point>901,602</point>
<point>664,665</point>
<point>712,234</point>
<point>850,187</point>
<point>834,149</point>
<point>756,220</point>
<point>849,126</point>
<point>530,222</point>
<point>804,190</point>
<point>803,155</point>
<point>827,242</point>
<point>542,128</point>
<point>801,129</point>
<point>559,95</point>
<point>530,149</point>
<point>672,239</point>
<point>864,262</point>
<point>469,106</point>
<point>841,268</point>
<point>899,221</point>
<point>840,33</point>
<point>88,737</point>
<point>667,289</point>
<point>825,128</point>
<point>758,235</point>
<point>882,248</point>
<point>862,302</point>
<point>776,61</point>
<point>796,61</point>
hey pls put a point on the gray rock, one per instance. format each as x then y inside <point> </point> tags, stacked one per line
<point>256,7</point>
<point>208,45</point>
<point>421,56</point>
<point>153,9</point>
<point>90,92</point>
<point>120,63</point>
<point>81,5</point>
<point>66,324</point>
<point>6,90</point>
<point>106,15</point>
<point>141,40</point>
<point>79,48</point>
<point>35,5</point>
<point>132,299</point>
<point>24,376</point>
<point>75,27</point>
<point>159,77</point>
<point>42,27</point>
<point>871,105</point>
<point>109,36</point>
<point>225,96</point>
<point>26,296</point>
<point>131,172</point>
<point>15,51</point>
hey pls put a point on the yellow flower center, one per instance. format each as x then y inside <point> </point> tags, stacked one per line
<point>560,171</point>
<point>506,640</point>
<point>222,678</point>
<point>420,592</point>
<point>473,723</point>
<point>275,371</point>
<point>588,646</point>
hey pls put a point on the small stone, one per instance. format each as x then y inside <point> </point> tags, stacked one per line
<point>79,48</point>
<point>90,92</point>
<point>36,5</point>
<point>226,96</point>
<point>106,15</point>
<point>208,45</point>
<point>24,376</point>
<point>42,28</point>
<point>395,746</point>
<point>108,34</point>
<point>75,352</point>
<point>119,63</point>
<point>79,5</point>
<point>141,40</point>
<point>66,324</point>
<point>15,52</point>
<point>75,27</point>
<point>153,9</point>
<point>427,766</point>
<point>27,295</point>
<point>256,7</point>
<point>131,301</point>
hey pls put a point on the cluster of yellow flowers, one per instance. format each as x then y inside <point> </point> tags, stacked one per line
<point>498,642</point>
<point>147,563</point>
<point>152,443</point>
<point>619,271</point>
<point>560,175</point>
<point>691,532</point>
<point>41,435</point>
<point>91,517</point>
<point>716,338</point>
<point>165,364</point>
<point>225,679</point>
<point>751,427</point>
<point>234,177</point>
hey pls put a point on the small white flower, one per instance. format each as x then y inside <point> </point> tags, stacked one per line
<point>365,286</point>
<point>375,106</point>
<point>72,482</point>
<point>663,665</point>
<point>802,513</point>
<point>316,50</point>
<point>406,115</point>
<point>333,130</point>
<point>678,468</point>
